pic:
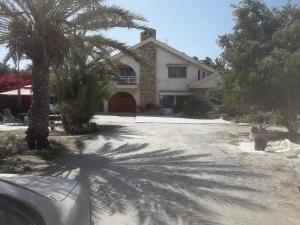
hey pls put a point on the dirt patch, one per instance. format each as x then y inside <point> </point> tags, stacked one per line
<point>17,158</point>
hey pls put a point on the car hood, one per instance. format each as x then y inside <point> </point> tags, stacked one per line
<point>54,188</point>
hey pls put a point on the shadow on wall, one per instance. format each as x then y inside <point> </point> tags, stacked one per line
<point>163,186</point>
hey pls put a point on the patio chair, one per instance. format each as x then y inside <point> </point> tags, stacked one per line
<point>27,117</point>
<point>8,117</point>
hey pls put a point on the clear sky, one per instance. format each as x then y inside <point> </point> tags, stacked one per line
<point>191,26</point>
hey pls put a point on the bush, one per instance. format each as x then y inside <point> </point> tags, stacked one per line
<point>83,128</point>
<point>193,106</point>
<point>80,85</point>
<point>10,145</point>
<point>75,118</point>
<point>259,117</point>
<point>151,107</point>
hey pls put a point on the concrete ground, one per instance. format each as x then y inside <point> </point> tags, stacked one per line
<point>10,127</point>
<point>174,120</point>
<point>180,174</point>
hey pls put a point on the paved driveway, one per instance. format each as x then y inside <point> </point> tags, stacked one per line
<point>179,174</point>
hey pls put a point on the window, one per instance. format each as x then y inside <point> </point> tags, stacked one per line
<point>199,75</point>
<point>177,72</point>
<point>127,72</point>
<point>203,75</point>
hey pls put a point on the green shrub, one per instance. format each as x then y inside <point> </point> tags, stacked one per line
<point>259,117</point>
<point>47,154</point>
<point>151,106</point>
<point>82,128</point>
<point>80,85</point>
<point>193,106</point>
<point>10,145</point>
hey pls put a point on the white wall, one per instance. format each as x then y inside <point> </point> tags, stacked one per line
<point>129,61</point>
<point>164,83</point>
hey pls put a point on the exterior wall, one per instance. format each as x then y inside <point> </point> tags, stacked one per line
<point>129,61</point>
<point>164,83</point>
<point>147,79</point>
<point>200,92</point>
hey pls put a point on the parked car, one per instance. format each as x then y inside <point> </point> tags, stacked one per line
<point>34,200</point>
<point>167,112</point>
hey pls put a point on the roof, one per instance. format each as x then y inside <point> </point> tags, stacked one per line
<point>169,49</point>
<point>25,91</point>
<point>203,83</point>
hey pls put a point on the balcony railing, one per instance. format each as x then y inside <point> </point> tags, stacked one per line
<point>124,80</point>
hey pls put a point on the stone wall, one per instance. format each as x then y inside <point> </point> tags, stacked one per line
<point>147,82</point>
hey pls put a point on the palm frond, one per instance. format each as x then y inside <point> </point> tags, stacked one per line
<point>99,41</point>
<point>107,17</point>
<point>44,28</point>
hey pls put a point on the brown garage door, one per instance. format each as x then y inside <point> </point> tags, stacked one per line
<point>122,102</point>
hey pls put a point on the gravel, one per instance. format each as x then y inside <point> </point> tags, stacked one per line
<point>180,174</point>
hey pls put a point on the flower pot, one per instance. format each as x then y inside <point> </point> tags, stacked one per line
<point>260,143</point>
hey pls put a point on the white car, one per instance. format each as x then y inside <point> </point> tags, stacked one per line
<point>34,200</point>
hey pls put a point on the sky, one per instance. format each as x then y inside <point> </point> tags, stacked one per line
<point>190,26</point>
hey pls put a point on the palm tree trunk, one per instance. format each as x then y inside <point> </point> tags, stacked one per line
<point>19,101</point>
<point>37,133</point>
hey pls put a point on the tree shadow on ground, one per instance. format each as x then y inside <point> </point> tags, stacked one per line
<point>115,132</point>
<point>163,186</point>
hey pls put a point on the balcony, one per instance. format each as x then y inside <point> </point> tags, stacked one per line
<point>127,80</point>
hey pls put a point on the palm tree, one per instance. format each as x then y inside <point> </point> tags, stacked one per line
<point>83,80</point>
<point>39,29</point>
<point>4,69</point>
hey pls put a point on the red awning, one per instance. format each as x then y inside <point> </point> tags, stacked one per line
<point>12,81</point>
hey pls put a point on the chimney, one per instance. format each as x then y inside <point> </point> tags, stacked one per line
<point>148,33</point>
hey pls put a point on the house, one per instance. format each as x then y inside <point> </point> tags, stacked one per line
<point>168,77</point>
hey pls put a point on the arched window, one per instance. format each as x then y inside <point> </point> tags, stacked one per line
<point>127,75</point>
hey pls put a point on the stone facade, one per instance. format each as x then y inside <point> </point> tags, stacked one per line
<point>147,82</point>
<point>148,33</point>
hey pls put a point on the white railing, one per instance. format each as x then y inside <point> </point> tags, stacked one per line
<point>124,80</point>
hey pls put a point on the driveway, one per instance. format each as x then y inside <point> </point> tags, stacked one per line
<point>179,174</point>
<point>174,120</point>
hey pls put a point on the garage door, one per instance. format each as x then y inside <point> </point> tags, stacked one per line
<point>122,103</point>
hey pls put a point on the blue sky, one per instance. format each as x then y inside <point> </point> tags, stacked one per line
<point>191,26</point>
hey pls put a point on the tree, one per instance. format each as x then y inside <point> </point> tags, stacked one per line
<point>208,61</point>
<point>81,84</point>
<point>262,57</point>
<point>4,69</point>
<point>217,63</point>
<point>39,30</point>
